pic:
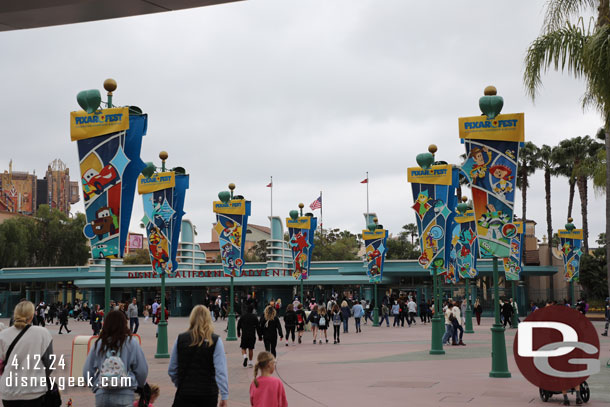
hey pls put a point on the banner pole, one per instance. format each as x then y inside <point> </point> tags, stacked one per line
<point>499,362</point>
<point>162,351</point>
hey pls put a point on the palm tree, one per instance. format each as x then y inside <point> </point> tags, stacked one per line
<point>547,161</point>
<point>410,229</point>
<point>583,53</point>
<point>581,151</point>
<point>528,162</point>
<point>565,167</point>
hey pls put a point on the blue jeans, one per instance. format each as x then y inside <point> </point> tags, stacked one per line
<point>357,324</point>
<point>448,333</point>
<point>456,328</point>
<point>110,399</point>
<point>134,321</point>
<point>387,320</point>
<point>345,325</point>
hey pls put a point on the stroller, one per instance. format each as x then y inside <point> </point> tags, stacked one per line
<point>585,393</point>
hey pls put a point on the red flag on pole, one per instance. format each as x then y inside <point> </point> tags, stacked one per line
<point>269,185</point>
<point>365,181</point>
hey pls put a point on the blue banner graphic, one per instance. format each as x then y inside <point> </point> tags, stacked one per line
<point>464,248</point>
<point>375,243</point>
<point>231,226</point>
<point>513,265</point>
<point>571,250</point>
<point>301,235</point>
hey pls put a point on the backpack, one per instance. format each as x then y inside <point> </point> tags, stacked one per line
<point>300,318</point>
<point>337,319</point>
<point>322,321</point>
<point>113,371</point>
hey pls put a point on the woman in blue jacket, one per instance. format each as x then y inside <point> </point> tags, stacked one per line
<point>346,312</point>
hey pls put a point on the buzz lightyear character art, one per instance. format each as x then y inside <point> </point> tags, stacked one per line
<point>493,220</point>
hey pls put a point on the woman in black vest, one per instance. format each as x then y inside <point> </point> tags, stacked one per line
<point>198,366</point>
<point>269,328</point>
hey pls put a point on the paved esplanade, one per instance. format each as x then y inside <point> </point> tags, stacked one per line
<point>380,367</point>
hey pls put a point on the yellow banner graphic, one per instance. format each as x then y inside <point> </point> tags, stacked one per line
<point>302,222</point>
<point>505,127</point>
<point>437,174</point>
<point>468,216</point>
<point>233,207</point>
<point>376,234</point>
<point>574,234</point>
<point>156,182</point>
<point>84,125</point>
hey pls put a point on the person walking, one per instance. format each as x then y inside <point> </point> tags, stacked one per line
<point>18,344</point>
<point>357,311</point>
<point>132,314</point>
<point>267,391</point>
<point>301,319</point>
<point>347,313</point>
<point>463,308</point>
<point>385,315</point>
<point>198,365</point>
<point>423,311</point>
<point>247,327</point>
<point>412,310</point>
<point>507,313</point>
<point>63,319</point>
<point>337,317</point>
<point>323,323</point>
<point>115,347</point>
<point>456,323</point>
<point>40,314</point>
<point>607,315</point>
<point>478,311</point>
<point>448,324</point>
<point>313,322</point>
<point>269,328</point>
<point>290,322</point>
<point>396,314</point>
<point>155,307</point>
<point>96,320</point>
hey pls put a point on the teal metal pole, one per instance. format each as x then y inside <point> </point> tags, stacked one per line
<point>376,307</point>
<point>499,362</point>
<point>436,345</point>
<point>107,289</point>
<point>572,300</point>
<point>302,298</point>
<point>468,325</point>
<point>162,352</point>
<point>515,321</point>
<point>231,331</point>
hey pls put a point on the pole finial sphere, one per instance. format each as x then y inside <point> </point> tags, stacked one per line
<point>301,205</point>
<point>432,148</point>
<point>110,85</point>
<point>570,220</point>
<point>231,186</point>
<point>464,199</point>
<point>375,220</point>
<point>490,91</point>
<point>163,155</point>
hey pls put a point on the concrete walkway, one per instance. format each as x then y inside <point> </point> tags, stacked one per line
<point>380,367</point>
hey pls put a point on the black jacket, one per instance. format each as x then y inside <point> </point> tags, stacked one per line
<point>269,330</point>
<point>290,319</point>
<point>196,371</point>
<point>248,325</point>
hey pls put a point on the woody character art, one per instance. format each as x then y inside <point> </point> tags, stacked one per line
<point>478,173</point>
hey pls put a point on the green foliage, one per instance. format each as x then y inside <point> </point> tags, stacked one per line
<point>258,252</point>
<point>49,239</point>
<point>335,245</point>
<point>593,271</point>
<point>400,249</point>
<point>138,256</point>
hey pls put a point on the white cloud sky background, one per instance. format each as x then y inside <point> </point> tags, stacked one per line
<point>314,93</point>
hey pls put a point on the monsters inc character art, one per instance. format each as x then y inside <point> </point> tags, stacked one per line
<point>503,176</point>
<point>421,205</point>
<point>478,173</point>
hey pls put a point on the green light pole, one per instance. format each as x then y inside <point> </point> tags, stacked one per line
<point>499,362</point>
<point>231,330</point>
<point>162,348</point>
<point>570,228</point>
<point>376,307</point>
<point>110,86</point>
<point>436,346</point>
<point>515,321</point>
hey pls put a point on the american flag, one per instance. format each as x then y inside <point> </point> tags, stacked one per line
<point>317,204</point>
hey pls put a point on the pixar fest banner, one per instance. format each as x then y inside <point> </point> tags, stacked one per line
<point>163,200</point>
<point>109,143</point>
<point>571,250</point>
<point>464,248</point>
<point>301,233</point>
<point>492,149</point>
<point>513,264</point>
<point>435,203</point>
<point>231,226</point>
<point>376,247</point>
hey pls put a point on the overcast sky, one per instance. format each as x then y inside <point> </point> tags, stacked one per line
<point>315,93</point>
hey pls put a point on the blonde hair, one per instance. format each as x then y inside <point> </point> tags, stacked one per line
<point>344,303</point>
<point>24,312</point>
<point>155,391</point>
<point>200,326</point>
<point>322,310</point>
<point>270,313</point>
<point>262,361</point>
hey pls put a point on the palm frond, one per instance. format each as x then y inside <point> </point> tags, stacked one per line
<point>561,49</point>
<point>558,12</point>
<point>596,66</point>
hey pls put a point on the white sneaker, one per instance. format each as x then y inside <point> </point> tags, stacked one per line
<point>250,364</point>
